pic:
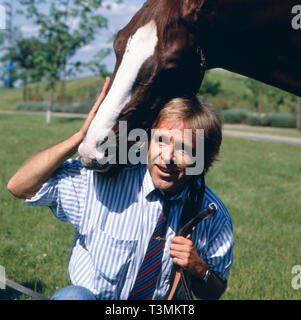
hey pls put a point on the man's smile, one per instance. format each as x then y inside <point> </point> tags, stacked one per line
<point>168,171</point>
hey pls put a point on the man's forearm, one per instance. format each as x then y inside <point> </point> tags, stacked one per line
<point>210,290</point>
<point>30,177</point>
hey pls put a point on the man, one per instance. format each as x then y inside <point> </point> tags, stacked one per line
<point>115,217</point>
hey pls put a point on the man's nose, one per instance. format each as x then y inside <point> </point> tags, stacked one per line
<point>168,155</point>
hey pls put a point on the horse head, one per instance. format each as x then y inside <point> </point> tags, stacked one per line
<point>157,58</point>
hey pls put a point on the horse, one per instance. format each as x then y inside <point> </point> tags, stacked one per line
<point>166,48</point>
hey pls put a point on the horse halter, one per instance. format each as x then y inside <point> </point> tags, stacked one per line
<point>203,62</point>
<point>199,50</point>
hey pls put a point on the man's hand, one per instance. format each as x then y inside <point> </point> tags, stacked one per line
<point>185,255</point>
<point>83,130</point>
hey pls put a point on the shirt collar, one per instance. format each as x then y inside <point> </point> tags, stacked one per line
<point>148,185</point>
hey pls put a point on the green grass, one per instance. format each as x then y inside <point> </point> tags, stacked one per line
<point>77,90</point>
<point>9,98</point>
<point>34,246</point>
<point>234,92</point>
<point>260,184</point>
<point>283,132</point>
<point>233,87</point>
<point>258,181</point>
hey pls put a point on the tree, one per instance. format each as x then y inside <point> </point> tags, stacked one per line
<point>68,26</point>
<point>257,90</point>
<point>23,53</point>
<point>1,38</point>
<point>210,87</point>
<point>7,76</point>
<point>280,98</point>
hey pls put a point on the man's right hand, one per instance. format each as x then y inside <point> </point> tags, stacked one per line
<point>83,130</point>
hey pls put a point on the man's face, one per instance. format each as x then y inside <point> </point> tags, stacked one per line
<point>169,155</point>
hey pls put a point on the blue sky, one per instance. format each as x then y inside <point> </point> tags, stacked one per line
<point>2,17</point>
<point>118,16</point>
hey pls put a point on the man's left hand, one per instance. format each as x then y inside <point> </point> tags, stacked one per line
<point>185,255</point>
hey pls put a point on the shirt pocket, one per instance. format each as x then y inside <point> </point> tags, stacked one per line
<point>112,259</point>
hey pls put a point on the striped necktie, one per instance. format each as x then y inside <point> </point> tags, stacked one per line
<point>147,277</point>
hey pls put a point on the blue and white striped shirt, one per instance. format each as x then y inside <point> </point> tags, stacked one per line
<point>115,217</point>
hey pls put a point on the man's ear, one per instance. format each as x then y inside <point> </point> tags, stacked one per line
<point>191,9</point>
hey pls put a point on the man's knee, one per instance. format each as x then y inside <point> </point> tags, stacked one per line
<point>73,293</point>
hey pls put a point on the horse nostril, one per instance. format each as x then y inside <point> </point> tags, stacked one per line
<point>99,145</point>
<point>102,150</point>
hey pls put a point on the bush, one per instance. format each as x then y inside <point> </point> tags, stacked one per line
<point>235,115</point>
<point>253,119</point>
<point>31,106</point>
<point>281,120</point>
<point>80,107</point>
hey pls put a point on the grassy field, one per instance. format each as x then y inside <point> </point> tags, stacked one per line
<point>233,90</point>
<point>34,245</point>
<point>258,181</point>
<point>282,132</point>
<point>78,89</point>
<point>260,184</point>
<point>233,93</point>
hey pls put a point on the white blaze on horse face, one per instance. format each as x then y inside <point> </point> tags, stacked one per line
<point>140,47</point>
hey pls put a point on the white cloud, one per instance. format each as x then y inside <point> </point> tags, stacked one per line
<point>87,48</point>
<point>95,46</point>
<point>30,30</point>
<point>73,23</point>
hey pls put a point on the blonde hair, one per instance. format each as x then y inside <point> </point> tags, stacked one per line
<point>196,115</point>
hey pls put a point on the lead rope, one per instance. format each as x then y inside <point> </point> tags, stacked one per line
<point>18,287</point>
<point>190,212</point>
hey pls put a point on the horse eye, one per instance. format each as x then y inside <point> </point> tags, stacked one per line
<point>168,72</point>
<point>170,67</point>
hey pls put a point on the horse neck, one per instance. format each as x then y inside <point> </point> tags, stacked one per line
<point>250,37</point>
